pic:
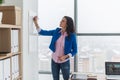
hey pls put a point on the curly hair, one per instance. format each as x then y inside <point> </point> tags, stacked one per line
<point>70,28</point>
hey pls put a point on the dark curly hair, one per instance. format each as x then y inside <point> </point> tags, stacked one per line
<point>70,28</point>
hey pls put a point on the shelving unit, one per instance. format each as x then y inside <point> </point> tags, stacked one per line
<point>10,54</point>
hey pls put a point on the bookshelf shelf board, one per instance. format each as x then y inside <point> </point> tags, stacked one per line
<point>8,55</point>
<point>9,26</point>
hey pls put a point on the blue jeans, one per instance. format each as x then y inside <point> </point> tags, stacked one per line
<point>64,67</point>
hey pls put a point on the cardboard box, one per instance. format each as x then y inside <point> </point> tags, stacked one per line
<point>11,15</point>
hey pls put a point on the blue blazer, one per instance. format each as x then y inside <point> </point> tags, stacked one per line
<point>70,45</point>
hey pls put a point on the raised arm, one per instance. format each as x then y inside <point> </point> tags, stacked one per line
<point>35,20</point>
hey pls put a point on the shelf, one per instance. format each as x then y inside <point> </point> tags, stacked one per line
<point>8,55</point>
<point>9,26</point>
<point>11,43</point>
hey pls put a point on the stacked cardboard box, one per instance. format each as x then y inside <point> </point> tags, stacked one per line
<point>11,15</point>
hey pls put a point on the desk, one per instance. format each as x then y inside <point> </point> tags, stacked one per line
<point>87,76</point>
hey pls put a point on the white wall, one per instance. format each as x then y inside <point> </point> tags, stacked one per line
<point>30,60</point>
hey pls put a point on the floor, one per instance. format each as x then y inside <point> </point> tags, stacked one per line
<point>47,77</point>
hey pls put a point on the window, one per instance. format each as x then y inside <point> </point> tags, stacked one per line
<point>98,16</point>
<point>50,14</point>
<point>95,50</point>
<point>98,31</point>
<point>98,34</point>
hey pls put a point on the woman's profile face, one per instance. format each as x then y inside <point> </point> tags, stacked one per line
<point>63,23</point>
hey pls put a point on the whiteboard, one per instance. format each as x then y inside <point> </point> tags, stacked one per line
<point>32,28</point>
<point>32,34</point>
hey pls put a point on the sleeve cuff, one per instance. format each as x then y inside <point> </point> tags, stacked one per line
<point>70,55</point>
<point>38,29</point>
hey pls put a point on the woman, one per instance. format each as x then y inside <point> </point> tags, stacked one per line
<point>63,45</point>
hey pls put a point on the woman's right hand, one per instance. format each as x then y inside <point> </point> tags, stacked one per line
<point>35,20</point>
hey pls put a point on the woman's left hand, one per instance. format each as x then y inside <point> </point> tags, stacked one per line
<point>62,58</point>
